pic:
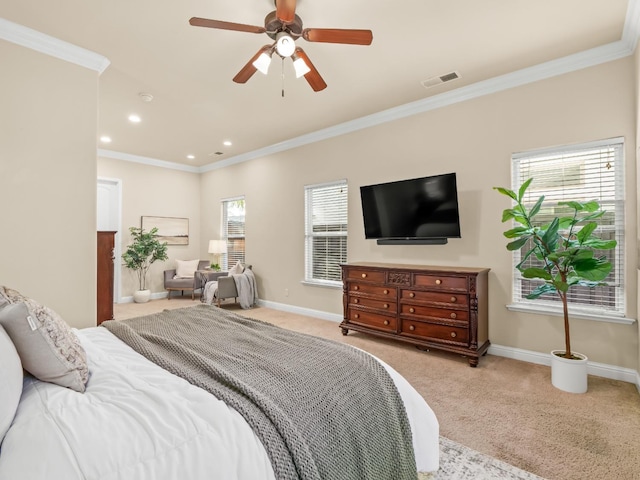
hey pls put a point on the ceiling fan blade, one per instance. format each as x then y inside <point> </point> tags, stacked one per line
<point>286,10</point>
<point>248,70</point>
<point>238,27</point>
<point>337,35</point>
<point>313,76</point>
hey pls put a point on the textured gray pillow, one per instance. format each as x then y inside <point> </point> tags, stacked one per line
<point>48,348</point>
<point>10,295</point>
<point>10,379</point>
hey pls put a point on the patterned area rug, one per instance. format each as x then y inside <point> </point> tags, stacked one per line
<point>458,462</point>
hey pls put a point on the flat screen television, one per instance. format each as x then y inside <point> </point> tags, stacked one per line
<point>415,211</point>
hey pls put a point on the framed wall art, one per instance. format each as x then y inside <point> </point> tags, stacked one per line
<point>173,230</point>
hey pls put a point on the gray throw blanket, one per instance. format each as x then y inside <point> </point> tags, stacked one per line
<point>246,287</point>
<point>322,409</point>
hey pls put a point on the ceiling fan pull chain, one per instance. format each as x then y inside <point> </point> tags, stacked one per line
<point>282,77</point>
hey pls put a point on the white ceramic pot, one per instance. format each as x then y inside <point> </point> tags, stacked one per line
<point>141,296</point>
<point>567,374</point>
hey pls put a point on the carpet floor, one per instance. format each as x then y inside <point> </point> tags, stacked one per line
<point>504,408</point>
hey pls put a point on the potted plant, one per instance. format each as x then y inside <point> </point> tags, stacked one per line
<point>565,257</point>
<point>144,249</point>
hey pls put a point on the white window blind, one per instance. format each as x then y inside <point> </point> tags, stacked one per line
<point>233,214</point>
<point>592,171</point>
<point>325,232</point>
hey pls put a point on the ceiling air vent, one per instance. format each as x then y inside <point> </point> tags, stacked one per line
<point>433,81</point>
<point>216,153</point>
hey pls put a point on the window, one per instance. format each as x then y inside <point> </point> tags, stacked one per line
<point>325,232</point>
<point>592,171</point>
<point>233,211</point>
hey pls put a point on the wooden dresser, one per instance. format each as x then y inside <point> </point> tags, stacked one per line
<point>444,308</point>
<point>106,244</point>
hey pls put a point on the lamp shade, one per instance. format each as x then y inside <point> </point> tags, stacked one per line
<point>217,246</point>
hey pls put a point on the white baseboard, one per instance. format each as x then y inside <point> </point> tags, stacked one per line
<point>154,296</point>
<point>598,369</point>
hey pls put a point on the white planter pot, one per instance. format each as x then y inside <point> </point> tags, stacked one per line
<point>141,296</point>
<point>568,374</point>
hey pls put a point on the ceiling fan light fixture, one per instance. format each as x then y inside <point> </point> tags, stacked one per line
<point>300,66</point>
<point>262,62</point>
<point>285,45</point>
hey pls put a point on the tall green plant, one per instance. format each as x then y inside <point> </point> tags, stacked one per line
<point>145,248</point>
<point>565,248</point>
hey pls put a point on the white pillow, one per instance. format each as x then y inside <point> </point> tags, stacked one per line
<point>186,268</point>
<point>11,381</point>
<point>48,348</point>
<point>237,269</point>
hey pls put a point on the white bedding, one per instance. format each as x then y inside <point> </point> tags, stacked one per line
<point>137,421</point>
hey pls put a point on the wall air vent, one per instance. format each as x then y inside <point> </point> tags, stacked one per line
<point>433,81</point>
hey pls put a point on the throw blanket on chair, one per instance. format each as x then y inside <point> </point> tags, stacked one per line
<point>322,409</point>
<point>246,287</point>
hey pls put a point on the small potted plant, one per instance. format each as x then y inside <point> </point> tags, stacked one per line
<point>144,249</point>
<point>565,257</point>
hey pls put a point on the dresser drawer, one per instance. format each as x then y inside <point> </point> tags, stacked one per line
<point>377,290</point>
<point>434,312</point>
<point>389,305</point>
<point>440,333</point>
<point>444,282</point>
<point>434,297</point>
<point>374,276</point>
<point>373,320</point>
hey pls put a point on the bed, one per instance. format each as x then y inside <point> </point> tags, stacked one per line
<point>136,420</point>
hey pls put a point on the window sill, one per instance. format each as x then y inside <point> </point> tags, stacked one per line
<point>557,311</point>
<point>325,284</point>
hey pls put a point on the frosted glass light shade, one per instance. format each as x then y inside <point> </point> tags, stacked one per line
<point>262,63</point>
<point>300,67</point>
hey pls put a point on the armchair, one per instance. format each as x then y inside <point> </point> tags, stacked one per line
<point>191,283</point>
<point>226,287</point>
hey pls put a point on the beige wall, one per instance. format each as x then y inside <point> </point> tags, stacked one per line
<point>475,139</point>
<point>636,81</point>
<point>160,192</point>
<point>48,119</point>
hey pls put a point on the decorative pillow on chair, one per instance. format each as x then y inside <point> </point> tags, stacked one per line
<point>9,295</point>
<point>48,348</point>
<point>186,268</point>
<point>10,379</point>
<point>237,269</point>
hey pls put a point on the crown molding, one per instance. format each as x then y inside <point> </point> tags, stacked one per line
<point>631,31</point>
<point>29,38</point>
<point>127,157</point>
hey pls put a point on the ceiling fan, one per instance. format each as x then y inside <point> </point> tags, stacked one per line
<point>285,27</point>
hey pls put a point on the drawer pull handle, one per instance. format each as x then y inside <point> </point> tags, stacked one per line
<point>364,275</point>
<point>357,315</point>
<point>412,295</point>
<point>356,287</point>
<point>386,322</point>
<point>385,291</point>
<point>453,315</point>
<point>454,299</point>
<point>356,300</point>
<point>412,310</point>
<point>412,327</point>
<point>453,335</point>
<point>386,305</point>
<point>438,282</point>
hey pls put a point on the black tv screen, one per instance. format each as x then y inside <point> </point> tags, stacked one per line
<point>419,208</point>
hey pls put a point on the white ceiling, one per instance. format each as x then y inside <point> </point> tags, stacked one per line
<point>188,70</point>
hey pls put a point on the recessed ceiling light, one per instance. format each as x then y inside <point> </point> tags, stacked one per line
<point>227,143</point>
<point>134,118</point>
<point>105,139</point>
<point>191,157</point>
